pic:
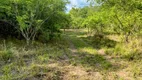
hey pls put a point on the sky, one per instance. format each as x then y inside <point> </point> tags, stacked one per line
<point>76,3</point>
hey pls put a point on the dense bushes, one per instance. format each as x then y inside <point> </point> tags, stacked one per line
<point>27,18</point>
<point>7,30</point>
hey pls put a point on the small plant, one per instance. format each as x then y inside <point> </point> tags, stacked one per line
<point>109,51</point>
<point>6,55</point>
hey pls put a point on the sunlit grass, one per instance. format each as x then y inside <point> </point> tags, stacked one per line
<point>124,53</point>
<point>58,59</point>
<point>88,50</point>
<point>21,62</point>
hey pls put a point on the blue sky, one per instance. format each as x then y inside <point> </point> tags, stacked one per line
<point>76,3</point>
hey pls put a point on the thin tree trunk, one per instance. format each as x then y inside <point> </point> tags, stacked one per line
<point>33,38</point>
<point>28,41</point>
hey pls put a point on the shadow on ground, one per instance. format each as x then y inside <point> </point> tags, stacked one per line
<point>90,58</point>
<point>99,41</point>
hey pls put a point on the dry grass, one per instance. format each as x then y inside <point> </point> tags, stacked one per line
<point>73,57</point>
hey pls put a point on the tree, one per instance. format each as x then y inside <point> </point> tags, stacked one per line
<point>29,16</point>
<point>125,16</point>
<point>78,16</point>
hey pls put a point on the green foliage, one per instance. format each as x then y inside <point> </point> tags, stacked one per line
<point>118,16</point>
<point>6,55</point>
<point>126,51</point>
<point>30,17</point>
<point>78,15</point>
<point>72,52</point>
<point>44,37</point>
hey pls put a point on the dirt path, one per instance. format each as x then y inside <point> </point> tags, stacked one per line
<point>74,57</point>
<point>80,73</point>
<point>74,72</point>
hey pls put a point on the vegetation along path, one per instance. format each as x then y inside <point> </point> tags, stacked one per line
<point>93,63</point>
<point>70,39</point>
<point>72,57</point>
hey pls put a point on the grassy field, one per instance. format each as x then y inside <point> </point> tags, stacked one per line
<point>74,56</point>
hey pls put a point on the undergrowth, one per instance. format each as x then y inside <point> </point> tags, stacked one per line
<point>107,58</point>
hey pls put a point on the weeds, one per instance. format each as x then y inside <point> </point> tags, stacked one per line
<point>71,57</point>
<point>6,55</point>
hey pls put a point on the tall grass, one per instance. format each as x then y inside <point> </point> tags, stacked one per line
<point>130,51</point>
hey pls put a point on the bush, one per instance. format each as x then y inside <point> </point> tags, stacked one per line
<point>6,55</point>
<point>133,55</point>
<point>7,30</point>
<point>127,51</point>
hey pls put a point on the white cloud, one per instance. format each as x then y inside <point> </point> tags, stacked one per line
<point>69,7</point>
<point>76,3</point>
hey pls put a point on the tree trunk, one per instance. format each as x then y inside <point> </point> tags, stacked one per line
<point>28,41</point>
<point>33,38</point>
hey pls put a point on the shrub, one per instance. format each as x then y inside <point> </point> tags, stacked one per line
<point>130,51</point>
<point>133,55</point>
<point>6,55</point>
